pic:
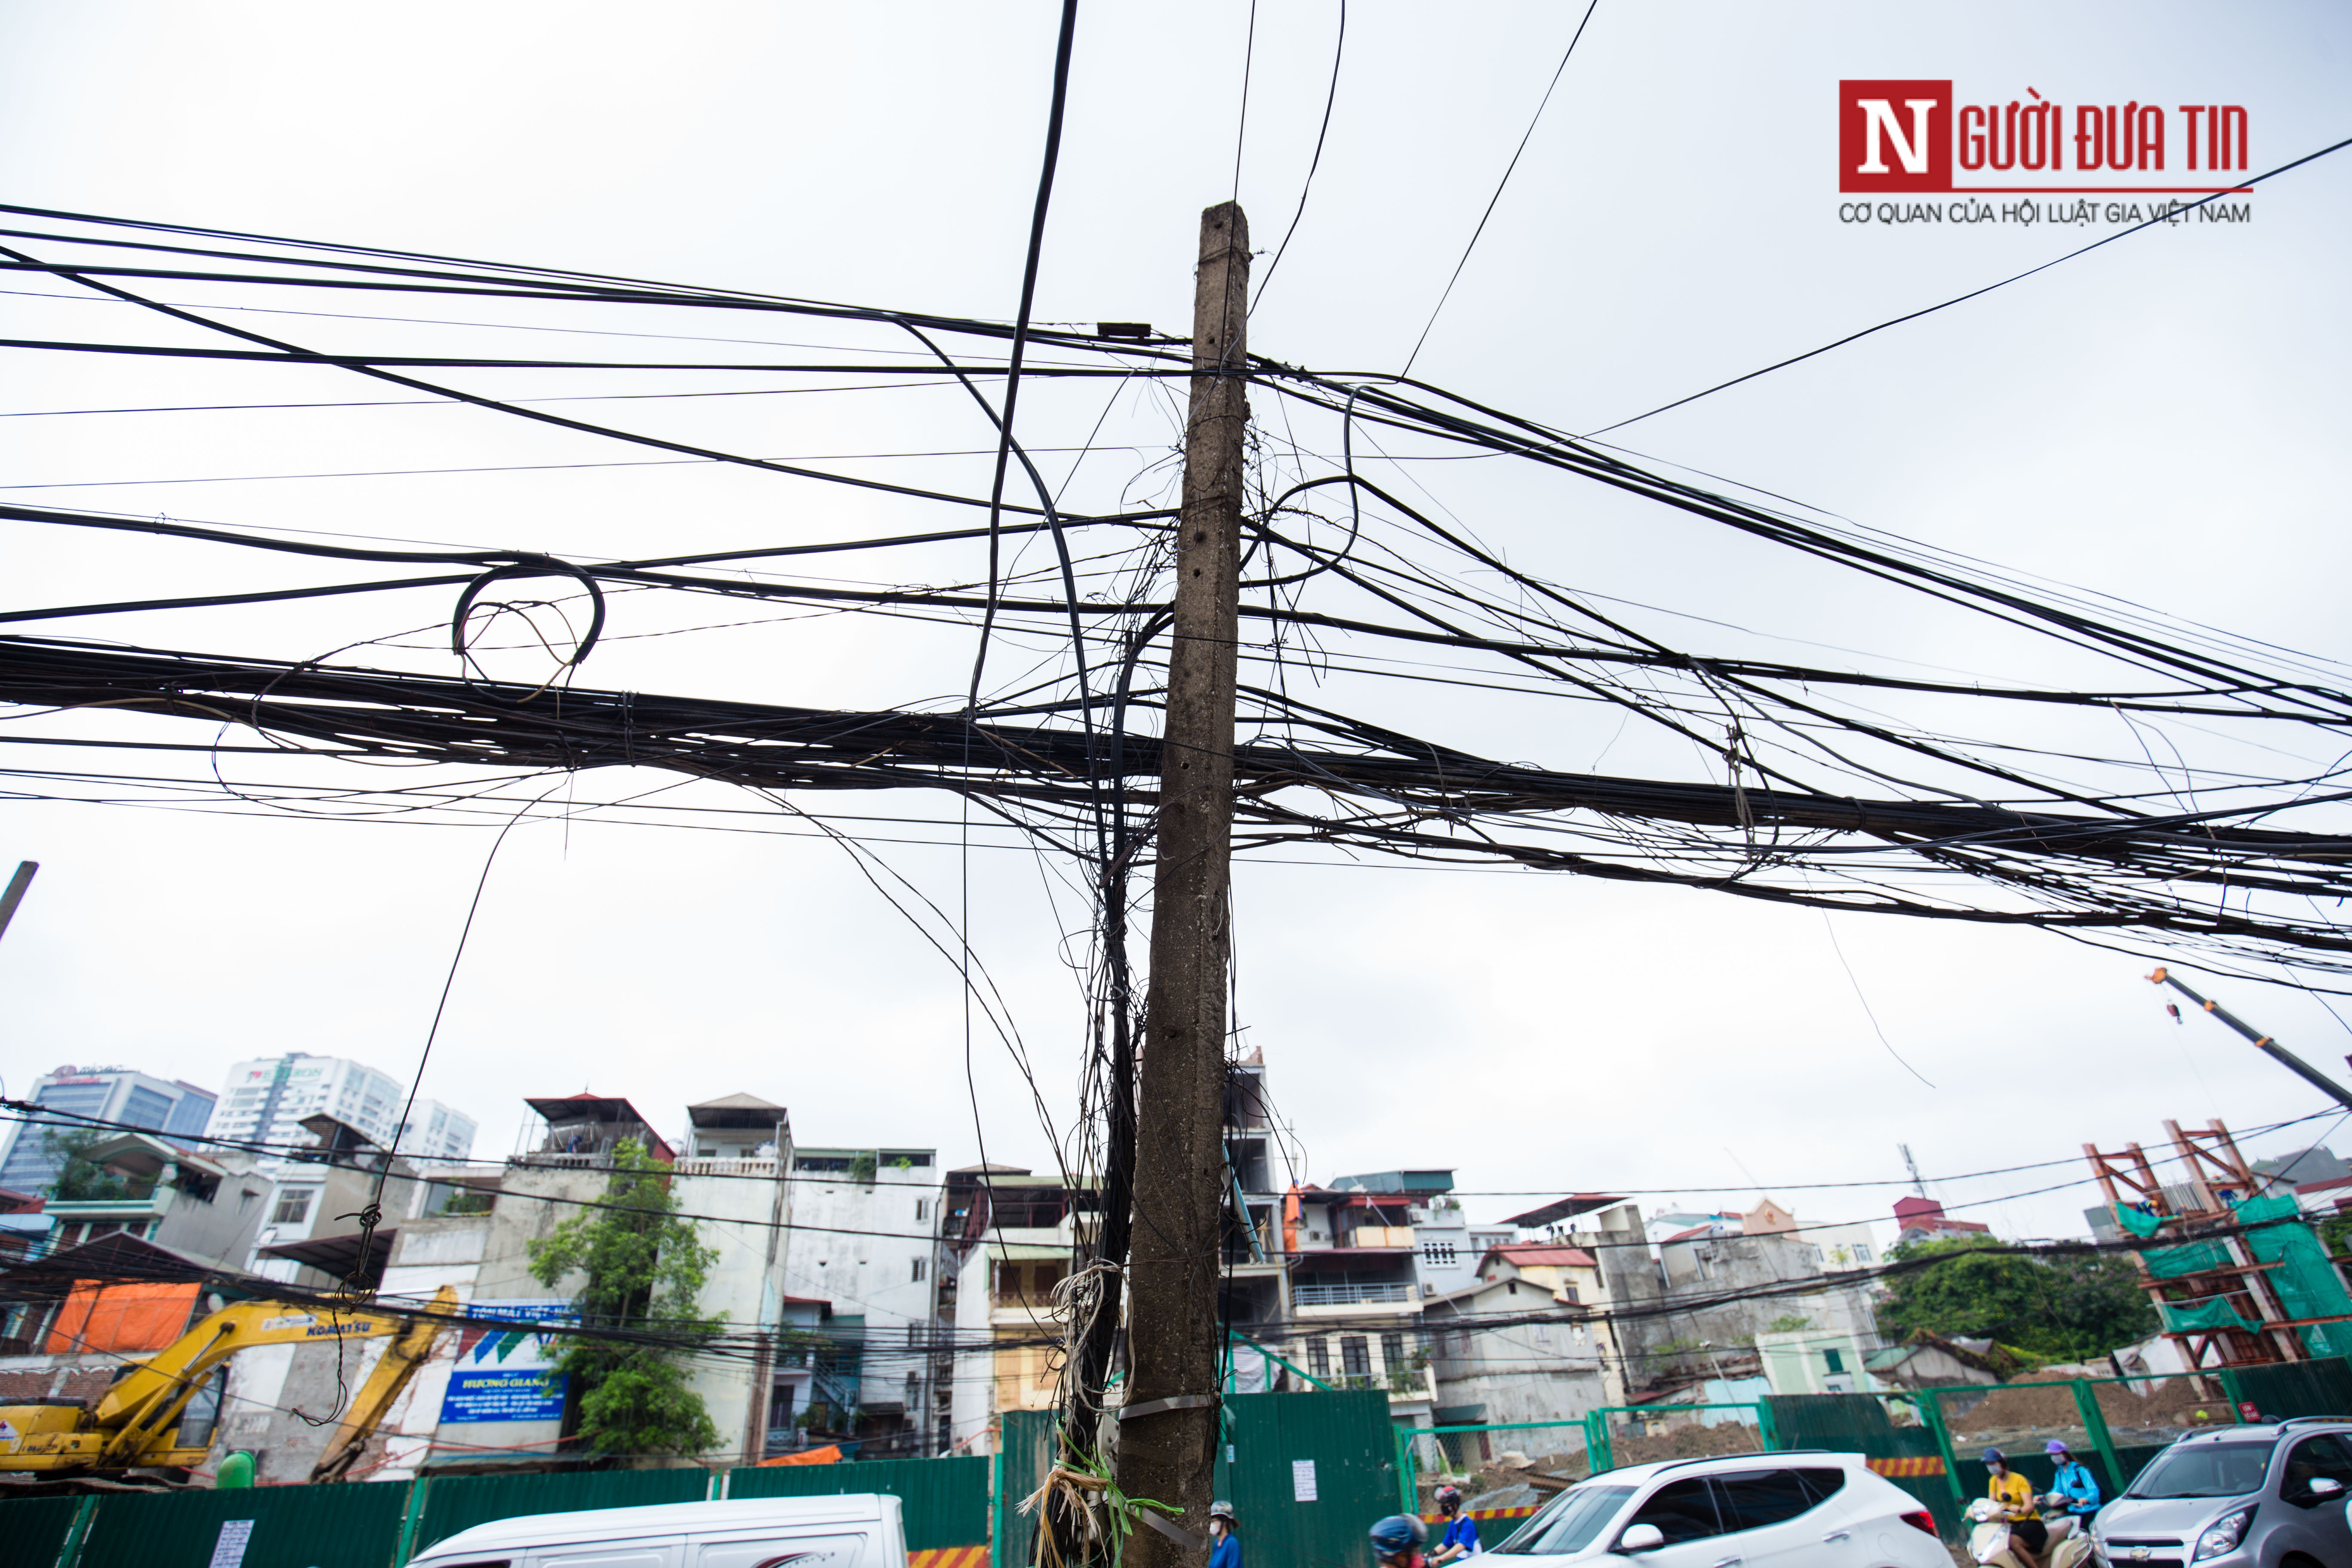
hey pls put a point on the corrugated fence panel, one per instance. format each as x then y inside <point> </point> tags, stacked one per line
<point>32,1529</point>
<point>1310,1473</point>
<point>943,1502</point>
<point>353,1526</point>
<point>2321,1387</point>
<point>1025,1439</point>
<point>453,1503</point>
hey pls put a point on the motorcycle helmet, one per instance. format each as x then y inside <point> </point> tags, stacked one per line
<point>1449,1498</point>
<point>1994,1457</point>
<point>2054,1448</point>
<point>1397,1533</point>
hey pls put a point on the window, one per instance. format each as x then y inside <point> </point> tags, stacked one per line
<point>1862,1252</point>
<point>1758,1498</point>
<point>1392,1352</point>
<point>293,1206</point>
<point>1438,1254</point>
<point>1571,1523</point>
<point>1836,1362</point>
<point>922,1211</point>
<point>2313,1458</point>
<point>1683,1510</point>
<point>1355,1356</point>
<point>916,1277</point>
<point>1319,1359</point>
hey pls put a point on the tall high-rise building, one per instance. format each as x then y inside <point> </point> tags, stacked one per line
<point>104,1094</point>
<point>436,1131</point>
<point>264,1102</point>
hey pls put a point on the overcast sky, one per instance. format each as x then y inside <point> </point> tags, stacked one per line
<point>2162,420</point>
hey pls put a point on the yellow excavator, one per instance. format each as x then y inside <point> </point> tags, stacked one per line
<point>137,1424</point>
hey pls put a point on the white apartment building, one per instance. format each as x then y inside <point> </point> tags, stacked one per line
<point>264,1100</point>
<point>436,1131</point>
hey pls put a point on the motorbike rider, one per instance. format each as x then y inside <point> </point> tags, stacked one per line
<point>2027,1534</point>
<point>1461,1531</point>
<point>1396,1541</point>
<point>2075,1491</point>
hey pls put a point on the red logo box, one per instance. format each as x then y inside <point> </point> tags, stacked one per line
<point>1895,136</point>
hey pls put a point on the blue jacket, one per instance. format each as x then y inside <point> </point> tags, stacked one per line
<point>1227,1553</point>
<point>1464,1532</point>
<point>2075,1483</point>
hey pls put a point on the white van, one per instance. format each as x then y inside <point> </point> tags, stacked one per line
<point>849,1532</point>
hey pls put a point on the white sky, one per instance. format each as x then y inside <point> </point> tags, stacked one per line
<point>2162,420</point>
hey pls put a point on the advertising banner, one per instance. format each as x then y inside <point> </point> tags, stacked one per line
<point>508,1374</point>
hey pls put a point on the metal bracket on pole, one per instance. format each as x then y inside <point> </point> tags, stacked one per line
<point>1173,1402</point>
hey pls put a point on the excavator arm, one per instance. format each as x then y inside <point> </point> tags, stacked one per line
<point>392,1370</point>
<point>131,1425</point>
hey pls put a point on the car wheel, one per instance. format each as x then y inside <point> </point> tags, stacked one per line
<point>2299,1560</point>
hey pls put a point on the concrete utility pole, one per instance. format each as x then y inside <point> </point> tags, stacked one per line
<point>1168,1426</point>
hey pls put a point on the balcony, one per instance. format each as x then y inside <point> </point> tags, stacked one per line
<point>1407,1384</point>
<point>704,1165</point>
<point>1350,1295</point>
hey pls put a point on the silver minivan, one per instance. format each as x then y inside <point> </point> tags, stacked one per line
<point>2266,1496</point>
<point>858,1530</point>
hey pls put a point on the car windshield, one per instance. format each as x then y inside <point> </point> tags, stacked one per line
<point>1570,1521</point>
<point>2204,1469</point>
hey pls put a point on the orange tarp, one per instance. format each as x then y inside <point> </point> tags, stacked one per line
<point>828,1455</point>
<point>98,1317</point>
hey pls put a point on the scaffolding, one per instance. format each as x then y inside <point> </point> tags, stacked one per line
<point>2229,1294</point>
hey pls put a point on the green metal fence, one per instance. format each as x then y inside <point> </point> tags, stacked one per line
<point>2292,1388</point>
<point>944,1501</point>
<point>1025,1445</point>
<point>281,1527</point>
<point>33,1529</point>
<point>1308,1473</point>
<point>1304,1471</point>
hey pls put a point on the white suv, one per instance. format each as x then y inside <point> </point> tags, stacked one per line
<point>1800,1510</point>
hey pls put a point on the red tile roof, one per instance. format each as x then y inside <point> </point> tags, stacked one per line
<point>1539,1254</point>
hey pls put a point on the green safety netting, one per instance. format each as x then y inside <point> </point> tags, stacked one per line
<point>2261,1211</point>
<point>2138,1223</point>
<point>2170,1262</point>
<point>2212,1312</point>
<point>2306,1283</point>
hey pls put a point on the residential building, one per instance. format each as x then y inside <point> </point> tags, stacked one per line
<point>1846,1248</point>
<point>1254,1281</point>
<point>311,1236</point>
<point>1494,1366</point>
<point>1620,1288</point>
<point>265,1098</point>
<point>492,1395</point>
<point>432,1131</point>
<point>867,1242</point>
<point>1924,1219</point>
<point>1355,1275</point>
<point>203,1206</point>
<point>1725,1293</point>
<point>1819,1361</point>
<point>1013,1239</point>
<point>86,1096</point>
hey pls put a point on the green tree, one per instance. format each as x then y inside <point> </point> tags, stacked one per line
<point>79,1179</point>
<point>2066,1307</point>
<point>645,1267</point>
